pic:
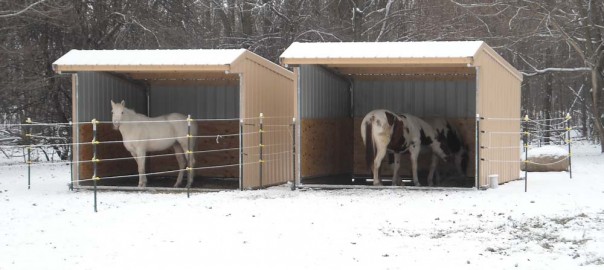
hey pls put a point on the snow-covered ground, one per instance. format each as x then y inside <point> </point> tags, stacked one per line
<point>558,224</point>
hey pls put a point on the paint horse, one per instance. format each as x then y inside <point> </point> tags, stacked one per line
<point>384,131</point>
<point>448,133</point>
<point>142,134</point>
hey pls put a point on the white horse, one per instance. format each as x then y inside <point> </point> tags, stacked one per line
<point>142,134</point>
<point>447,133</point>
<point>384,131</point>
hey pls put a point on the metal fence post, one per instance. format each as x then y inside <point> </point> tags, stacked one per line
<point>95,160</point>
<point>261,145</point>
<point>293,186</point>
<point>189,155</point>
<point>241,154</point>
<point>569,141</point>
<point>526,143</point>
<point>71,149</point>
<point>477,154</point>
<point>29,147</point>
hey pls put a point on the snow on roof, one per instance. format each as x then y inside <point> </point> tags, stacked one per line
<point>428,49</point>
<point>197,57</point>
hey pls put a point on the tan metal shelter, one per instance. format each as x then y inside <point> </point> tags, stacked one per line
<point>226,90</point>
<point>337,83</point>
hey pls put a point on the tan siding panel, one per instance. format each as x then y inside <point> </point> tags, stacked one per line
<point>271,93</point>
<point>499,105</point>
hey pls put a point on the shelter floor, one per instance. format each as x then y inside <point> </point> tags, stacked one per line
<point>466,182</point>
<point>168,182</point>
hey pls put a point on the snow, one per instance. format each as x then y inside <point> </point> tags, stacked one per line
<point>149,57</point>
<point>557,224</point>
<point>547,151</point>
<point>426,49</point>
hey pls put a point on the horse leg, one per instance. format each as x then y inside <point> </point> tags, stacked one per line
<point>180,157</point>
<point>377,162</point>
<point>433,166</point>
<point>396,181</point>
<point>139,156</point>
<point>458,165</point>
<point>414,153</point>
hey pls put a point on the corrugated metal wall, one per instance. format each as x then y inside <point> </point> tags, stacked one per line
<point>323,93</point>
<point>96,89</point>
<point>263,90</point>
<point>423,98</point>
<point>93,93</point>
<point>201,99</point>
<point>325,109</point>
<point>499,104</point>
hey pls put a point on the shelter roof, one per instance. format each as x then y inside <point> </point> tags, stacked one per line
<point>382,50</point>
<point>146,60</point>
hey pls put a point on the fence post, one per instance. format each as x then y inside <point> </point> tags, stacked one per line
<point>526,142</point>
<point>569,141</point>
<point>95,160</point>
<point>71,149</point>
<point>29,147</point>
<point>293,186</point>
<point>261,145</point>
<point>189,155</point>
<point>477,154</point>
<point>241,154</point>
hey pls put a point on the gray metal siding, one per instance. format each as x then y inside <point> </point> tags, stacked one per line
<point>200,101</point>
<point>424,98</point>
<point>96,89</point>
<point>323,94</point>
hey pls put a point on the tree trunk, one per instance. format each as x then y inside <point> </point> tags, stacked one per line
<point>596,108</point>
<point>547,98</point>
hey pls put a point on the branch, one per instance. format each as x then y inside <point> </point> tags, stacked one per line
<point>17,13</point>
<point>545,70</point>
<point>133,20</point>
<point>387,13</point>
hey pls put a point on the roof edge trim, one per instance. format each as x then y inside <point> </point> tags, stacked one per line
<point>135,68</point>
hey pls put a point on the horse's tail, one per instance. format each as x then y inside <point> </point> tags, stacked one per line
<point>369,146</point>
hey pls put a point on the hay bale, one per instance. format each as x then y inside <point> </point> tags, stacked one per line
<point>548,158</point>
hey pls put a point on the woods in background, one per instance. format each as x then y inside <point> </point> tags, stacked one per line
<point>557,44</point>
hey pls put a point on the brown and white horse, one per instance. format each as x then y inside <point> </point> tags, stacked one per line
<point>383,131</point>
<point>448,133</point>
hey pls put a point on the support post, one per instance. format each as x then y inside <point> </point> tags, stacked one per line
<point>95,161</point>
<point>189,154</point>
<point>293,186</point>
<point>569,140</point>
<point>29,147</point>
<point>241,154</point>
<point>261,145</point>
<point>526,144</point>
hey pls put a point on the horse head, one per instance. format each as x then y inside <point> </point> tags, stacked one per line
<point>441,138</point>
<point>117,110</point>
